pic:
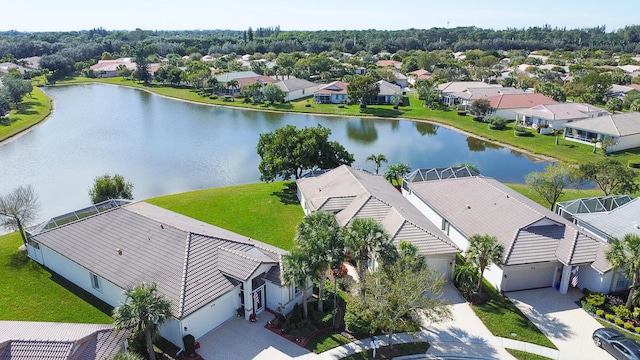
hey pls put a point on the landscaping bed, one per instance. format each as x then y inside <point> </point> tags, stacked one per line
<point>612,308</point>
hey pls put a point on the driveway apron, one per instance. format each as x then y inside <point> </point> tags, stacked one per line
<point>562,320</point>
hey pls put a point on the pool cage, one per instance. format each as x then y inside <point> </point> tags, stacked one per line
<point>440,173</point>
<point>76,215</point>
<point>567,209</point>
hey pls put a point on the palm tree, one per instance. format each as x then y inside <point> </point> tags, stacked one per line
<point>484,250</point>
<point>319,236</point>
<point>378,160</point>
<point>625,254</point>
<point>297,270</point>
<point>143,311</point>
<point>365,237</point>
<point>395,172</point>
<point>233,84</point>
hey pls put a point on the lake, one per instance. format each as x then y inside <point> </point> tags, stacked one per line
<point>166,146</point>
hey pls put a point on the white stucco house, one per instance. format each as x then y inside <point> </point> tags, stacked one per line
<point>208,273</point>
<point>350,193</point>
<point>508,105</point>
<point>295,89</point>
<point>332,93</point>
<point>622,128</point>
<point>557,115</point>
<point>542,249</point>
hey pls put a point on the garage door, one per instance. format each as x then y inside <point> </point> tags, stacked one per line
<point>441,265</point>
<point>534,277</point>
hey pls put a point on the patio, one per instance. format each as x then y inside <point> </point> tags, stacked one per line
<point>241,339</point>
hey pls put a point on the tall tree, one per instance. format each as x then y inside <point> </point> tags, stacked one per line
<point>15,87</point>
<point>363,90</point>
<point>550,183</point>
<point>18,208</point>
<point>611,175</point>
<point>233,85</point>
<point>366,238</point>
<point>378,160</point>
<point>400,297</point>
<point>142,62</point>
<point>106,187</point>
<point>396,171</point>
<point>625,254</point>
<point>480,107</point>
<point>287,152</point>
<point>297,269</point>
<point>319,236</point>
<point>143,311</point>
<point>483,251</point>
<point>273,93</point>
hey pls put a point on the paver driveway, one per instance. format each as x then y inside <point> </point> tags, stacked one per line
<point>562,320</point>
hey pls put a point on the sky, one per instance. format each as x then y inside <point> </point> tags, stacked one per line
<point>69,15</point>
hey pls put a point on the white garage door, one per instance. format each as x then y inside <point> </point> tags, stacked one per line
<point>534,277</point>
<point>441,265</point>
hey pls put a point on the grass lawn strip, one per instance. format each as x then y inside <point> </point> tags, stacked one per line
<point>33,109</point>
<point>543,145</point>
<point>31,293</point>
<point>522,355</point>
<point>505,320</point>
<point>326,341</point>
<point>267,212</point>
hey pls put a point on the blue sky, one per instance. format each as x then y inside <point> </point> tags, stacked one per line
<point>62,15</point>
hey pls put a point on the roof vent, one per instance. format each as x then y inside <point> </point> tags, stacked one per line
<point>468,206</point>
<point>119,251</point>
<point>161,226</point>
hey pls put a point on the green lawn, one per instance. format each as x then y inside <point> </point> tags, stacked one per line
<point>503,319</point>
<point>326,341</point>
<point>31,293</point>
<point>33,109</point>
<point>522,355</point>
<point>569,194</point>
<point>266,212</point>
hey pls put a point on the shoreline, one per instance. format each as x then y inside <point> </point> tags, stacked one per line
<point>34,125</point>
<point>538,157</point>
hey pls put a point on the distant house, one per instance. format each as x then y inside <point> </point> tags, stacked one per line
<point>542,249</point>
<point>450,89</point>
<point>295,89</point>
<point>389,63</point>
<point>468,96</point>
<point>207,273</point>
<point>619,91</point>
<point>418,75</point>
<point>59,341</point>
<point>623,128</point>
<point>108,68</point>
<point>556,115</point>
<point>387,92</point>
<point>242,82</point>
<point>507,105</point>
<point>401,79</point>
<point>332,93</point>
<point>6,66</point>
<point>349,194</point>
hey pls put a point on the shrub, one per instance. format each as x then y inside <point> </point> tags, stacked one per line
<point>628,325</point>
<point>609,317</point>
<point>294,333</point>
<point>613,300</point>
<point>622,312</point>
<point>595,298</point>
<point>296,314</point>
<point>343,284</point>
<point>305,332</point>
<point>634,164</point>
<point>600,313</point>
<point>638,330</point>
<point>619,322</point>
<point>521,131</point>
<point>497,123</point>
<point>588,307</point>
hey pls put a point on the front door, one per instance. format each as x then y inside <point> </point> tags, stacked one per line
<point>258,299</point>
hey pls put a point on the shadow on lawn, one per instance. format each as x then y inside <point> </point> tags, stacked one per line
<point>288,195</point>
<point>81,293</point>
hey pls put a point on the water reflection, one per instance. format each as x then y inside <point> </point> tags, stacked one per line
<point>362,131</point>
<point>425,128</point>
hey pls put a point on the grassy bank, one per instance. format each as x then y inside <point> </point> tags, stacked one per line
<point>32,293</point>
<point>268,212</point>
<point>543,145</point>
<point>32,110</point>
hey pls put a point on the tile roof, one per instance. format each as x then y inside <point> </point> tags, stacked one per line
<point>485,92</point>
<point>192,271</point>
<point>235,75</point>
<point>460,86</point>
<point>620,124</point>
<point>352,193</point>
<point>384,63</point>
<point>336,87</point>
<point>242,82</point>
<point>295,84</point>
<point>387,88</point>
<point>519,101</point>
<point>563,111</point>
<point>528,231</point>
<point>42,340</point>
<point>616,223</point>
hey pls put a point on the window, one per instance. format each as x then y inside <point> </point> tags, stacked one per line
<point>445,226</point>
<point>95,281</point>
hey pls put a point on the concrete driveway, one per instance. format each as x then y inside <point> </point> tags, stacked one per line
<point>241,339</point>
<point>465,334</point>
<point>562,320</point>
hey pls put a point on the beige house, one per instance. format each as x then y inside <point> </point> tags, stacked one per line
<point>622,128</point>
<point>351,193</point>
<point>556,115</point>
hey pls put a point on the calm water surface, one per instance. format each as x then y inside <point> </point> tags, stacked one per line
<point>166,146</point>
